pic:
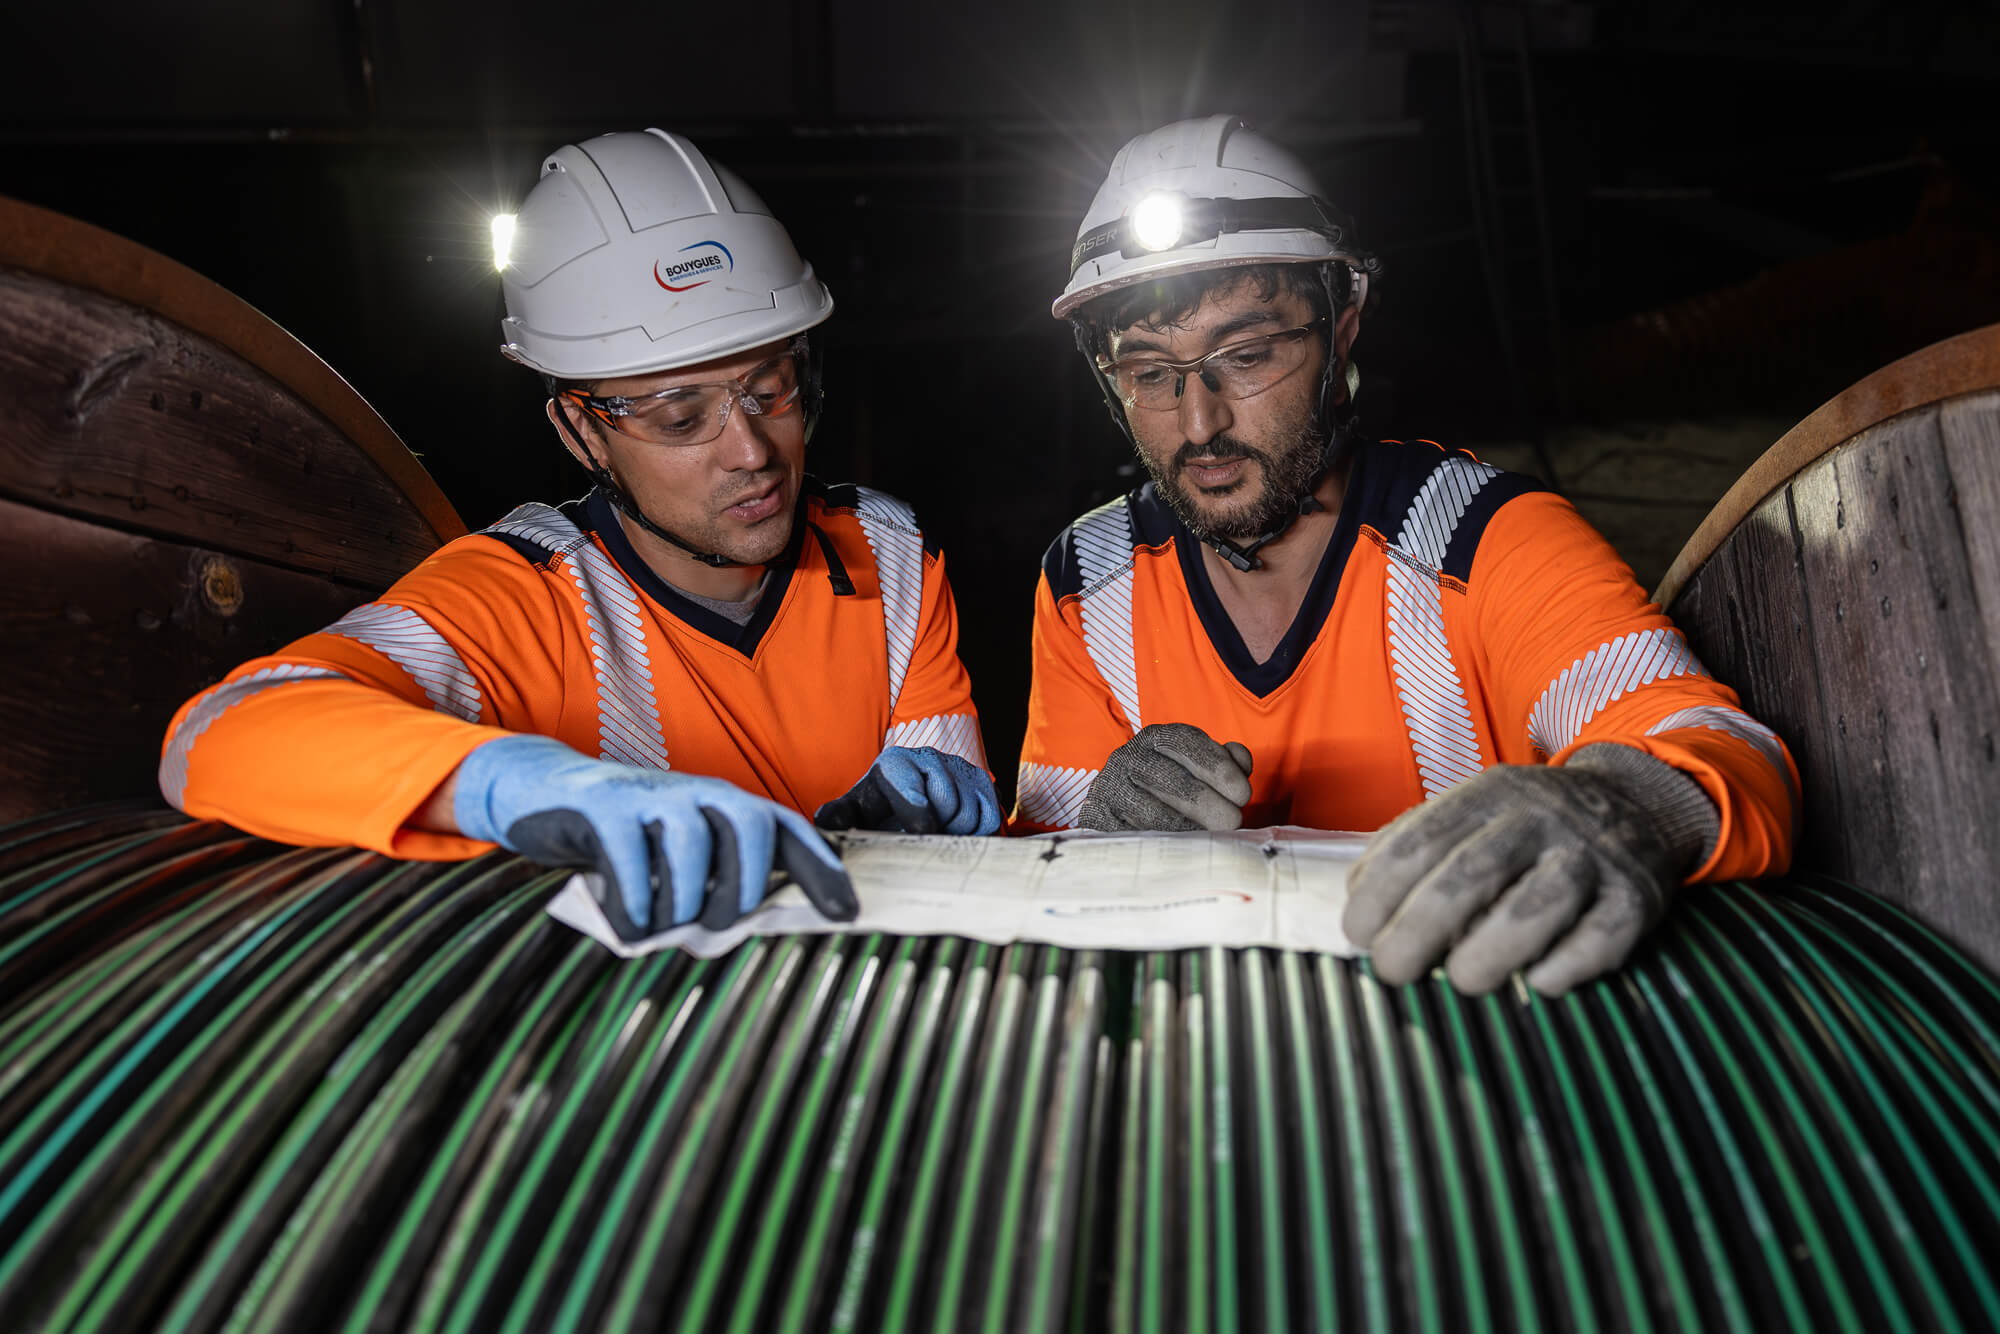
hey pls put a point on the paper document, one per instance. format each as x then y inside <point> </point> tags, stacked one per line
<point>1280,887</point>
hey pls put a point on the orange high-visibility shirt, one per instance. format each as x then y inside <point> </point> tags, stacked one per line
<point>1461,617</point>
<point>549,622</point>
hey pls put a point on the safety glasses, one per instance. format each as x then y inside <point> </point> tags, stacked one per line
<point>1235,370</point>
<point>693,414</point>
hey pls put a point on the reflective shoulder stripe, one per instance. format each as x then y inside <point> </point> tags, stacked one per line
<point>1736,723</point>
<point>1435,712</point>
<point>1603,676</point>
<point>891,529</point>
<point>954,733</point>
<point>1433,516</point>
<point>1103,540</point>
<point>405,638</point>
<point>212,705</point>
<point>1051,795</point>
<point>544,525</point>
<point>628,716</point>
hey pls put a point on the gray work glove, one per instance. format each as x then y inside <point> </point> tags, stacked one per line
<point>1562,868</point>
<point>1170,776</point>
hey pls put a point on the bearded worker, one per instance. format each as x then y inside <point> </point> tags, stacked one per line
<point>658,681</point>
<point>1290,625</point>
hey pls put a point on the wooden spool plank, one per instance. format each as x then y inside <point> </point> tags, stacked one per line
<point>1943,370</point>
<point>1905,674</point>
<point>1875,651</point>
<point>1748,618</point>
<point>110,412</point>
<point>65,251</point>
<point>108,633</point>
<point>183,486</point>
<point>1971,446</point>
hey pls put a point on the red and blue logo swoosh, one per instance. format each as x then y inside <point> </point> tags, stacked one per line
<point>700,269</point>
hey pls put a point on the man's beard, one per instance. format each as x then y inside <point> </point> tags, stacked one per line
<point>1286,475</point>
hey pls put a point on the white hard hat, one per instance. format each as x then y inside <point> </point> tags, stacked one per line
<point>1205,194</point>
<point>635,253</point>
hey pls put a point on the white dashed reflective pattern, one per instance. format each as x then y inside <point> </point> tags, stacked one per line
<point>628,717</point>
<point>212,705</point>
<point>954,733</point>
<point>891,529</point>
<point>1104,556</point>
<point>1051,795</point>
<point>1439,505</point>
<point>412,643</point>
<point>1435,712</point>
<point>1735,722</point>
<point>1601,677</point>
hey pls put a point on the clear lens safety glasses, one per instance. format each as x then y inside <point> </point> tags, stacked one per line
<point>1235,370</point>
<point>693,414</point>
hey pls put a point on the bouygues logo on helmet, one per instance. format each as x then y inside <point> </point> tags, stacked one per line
<point>711,261</point>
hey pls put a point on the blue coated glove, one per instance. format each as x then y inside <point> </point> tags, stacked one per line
<point>917,790</point>
<point>669,847</point>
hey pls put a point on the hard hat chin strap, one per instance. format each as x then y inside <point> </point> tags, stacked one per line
<point>1243,555</point>
<point>627,506</point>
<point>630,509</point>
<point>1333,418</point>
<point>812,398</point>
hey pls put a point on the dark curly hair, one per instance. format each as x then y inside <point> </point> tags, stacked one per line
<point>1166,302</point>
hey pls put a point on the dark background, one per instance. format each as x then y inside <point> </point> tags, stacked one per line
<point>1592,215</point>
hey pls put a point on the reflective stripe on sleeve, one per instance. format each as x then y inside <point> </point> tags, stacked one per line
<point>954,733</point>
<point>628,717</point>
<point>1104,557</point>
<point>405,638</point>
<point>1601,677</point>
<point>1736,723</point>
<point>1051,795</point>
<point>1435,712</point>
<point>212,705</point>
<point>891,529</point>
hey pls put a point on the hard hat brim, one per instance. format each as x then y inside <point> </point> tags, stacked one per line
<point>1133,276</point>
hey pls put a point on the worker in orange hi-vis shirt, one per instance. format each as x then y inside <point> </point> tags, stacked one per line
<point>1289,625</point>
<point>660,680</point>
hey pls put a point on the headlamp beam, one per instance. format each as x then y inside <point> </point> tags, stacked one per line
<point>1207,219</point>
<point>503,239</point>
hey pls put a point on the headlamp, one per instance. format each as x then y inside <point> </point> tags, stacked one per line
<point>1163,220</point>
<point>1156,221</point>
<point>503,238</point>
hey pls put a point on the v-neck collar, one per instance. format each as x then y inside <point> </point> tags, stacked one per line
<point>1262,678</point>
<point>601,516</point>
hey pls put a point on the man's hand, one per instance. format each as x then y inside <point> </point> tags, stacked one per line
<point>1170,776</point>
<point>1557,870</point>
<point>917,790</point>
<point>669,847</point>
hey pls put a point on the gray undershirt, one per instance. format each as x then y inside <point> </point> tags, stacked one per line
<point>737,613</point>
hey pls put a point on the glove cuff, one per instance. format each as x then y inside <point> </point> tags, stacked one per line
<point>1681,810</point>
<point>479,805</point>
